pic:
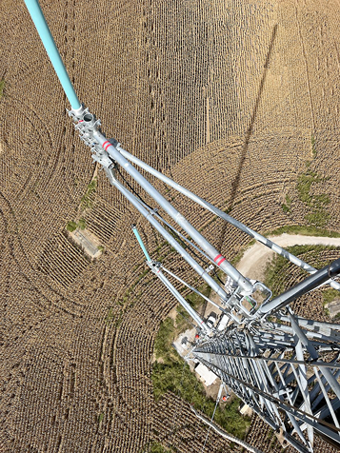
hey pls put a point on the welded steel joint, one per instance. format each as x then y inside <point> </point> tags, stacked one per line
<point>155,266</point>
<point>87,125</point>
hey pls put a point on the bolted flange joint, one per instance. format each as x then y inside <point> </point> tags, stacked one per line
<point>155,266</point>
<point>87,125</point>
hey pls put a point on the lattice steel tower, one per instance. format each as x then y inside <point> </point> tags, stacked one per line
<point>286,368</point>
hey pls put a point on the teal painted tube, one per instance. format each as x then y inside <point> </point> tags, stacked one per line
<point>52,51</point>
<point>139,239</point>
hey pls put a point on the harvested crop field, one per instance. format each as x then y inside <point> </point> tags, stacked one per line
<point>237,100</point>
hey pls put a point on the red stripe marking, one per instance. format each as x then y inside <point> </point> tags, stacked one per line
<point>81,121</point>
<point>103,145</point>
<point>107,146</point>
<point>217,257</point>
<point>219,263</point>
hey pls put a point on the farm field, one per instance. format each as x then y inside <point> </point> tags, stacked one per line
<point>237,100</point>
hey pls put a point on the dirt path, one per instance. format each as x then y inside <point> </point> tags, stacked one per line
<point>255,259</point>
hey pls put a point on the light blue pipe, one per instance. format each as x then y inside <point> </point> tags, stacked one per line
<point>139,239</point>
<point>52,51</point>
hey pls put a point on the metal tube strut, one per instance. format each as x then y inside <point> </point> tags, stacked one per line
<point>304,287</point>
<point>205,204</point>
<point>52,51</point>
<point>141,243</point>
<point>242,282</point>
<point>187,257</point>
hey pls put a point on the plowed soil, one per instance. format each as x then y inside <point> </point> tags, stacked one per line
<point>225,97</point>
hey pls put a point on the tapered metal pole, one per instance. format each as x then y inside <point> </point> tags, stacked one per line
<point>141,243</point>
<point>52,51</point>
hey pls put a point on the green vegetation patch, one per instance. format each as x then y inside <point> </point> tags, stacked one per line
<point>86,201</point>
<point>329,295</point>
<point>304,185</point>
<point>171,373</point>
<point>317,203</point>
<point>304,230</point>
<point>2,87</point>
<point>82,224</point>
<point>163,342</point>
<point>156,447</point>
<point>287,206</point>
<point>318,216</point>
<point>110,316</point>
<point>71,226</point>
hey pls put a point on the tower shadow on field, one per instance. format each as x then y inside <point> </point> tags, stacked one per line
<point>235,184</point>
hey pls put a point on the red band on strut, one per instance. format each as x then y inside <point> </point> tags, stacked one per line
<point>217,257</point>
<point>105,144</point>
<point>219,263</point>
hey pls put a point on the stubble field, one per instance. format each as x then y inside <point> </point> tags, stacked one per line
<point>235,99</point>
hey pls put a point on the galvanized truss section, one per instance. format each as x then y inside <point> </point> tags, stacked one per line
<point>287,372</point>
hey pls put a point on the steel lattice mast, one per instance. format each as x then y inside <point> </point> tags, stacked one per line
<point>279,371</point>
<point>286,368</point>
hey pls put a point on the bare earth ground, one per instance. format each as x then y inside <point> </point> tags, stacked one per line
<point>255,259</point>
<point>224,96</point>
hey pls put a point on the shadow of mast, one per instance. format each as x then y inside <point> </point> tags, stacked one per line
<point>236,182</point>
